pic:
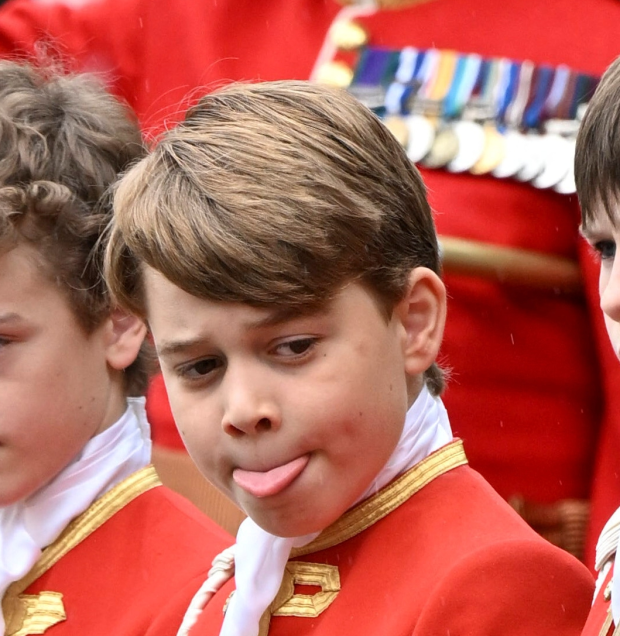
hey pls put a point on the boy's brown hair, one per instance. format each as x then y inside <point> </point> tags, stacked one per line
<point>63,141</point>
<point>597,154</point>
<point>274,195</point>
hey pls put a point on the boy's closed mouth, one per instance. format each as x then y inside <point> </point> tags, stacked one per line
<point>270,482</point>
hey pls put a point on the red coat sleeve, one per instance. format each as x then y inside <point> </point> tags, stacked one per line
<point>511,588</point>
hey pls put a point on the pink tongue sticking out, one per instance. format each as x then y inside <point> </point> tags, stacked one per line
<point>270,482</point>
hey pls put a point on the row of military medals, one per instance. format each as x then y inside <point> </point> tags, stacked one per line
<point>464,113</point>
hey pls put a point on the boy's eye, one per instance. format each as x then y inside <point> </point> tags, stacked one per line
<point>200,369</point>
<point>296,347</point>
<point>605,249</point>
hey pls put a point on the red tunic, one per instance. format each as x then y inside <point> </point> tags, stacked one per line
<point>129,565</point>
<point>436,552</point>
<point>534,380</point>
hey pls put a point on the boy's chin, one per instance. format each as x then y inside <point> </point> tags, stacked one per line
<point>287,525</point>
<point>13,493</point>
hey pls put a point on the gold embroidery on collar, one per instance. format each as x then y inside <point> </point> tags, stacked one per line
<point>81,527</point>
<point>287,603</point>
<point>35,613</point>
<point>385,501</point>
<point>386,4</point>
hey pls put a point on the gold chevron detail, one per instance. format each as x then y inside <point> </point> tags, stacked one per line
<point>385,501</point>
<point>36,613</point>
<point>287,603</point>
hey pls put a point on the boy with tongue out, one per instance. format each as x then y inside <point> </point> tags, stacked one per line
<point>281,247</point>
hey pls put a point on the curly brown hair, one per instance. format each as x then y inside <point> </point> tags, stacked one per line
<point>63,141</point>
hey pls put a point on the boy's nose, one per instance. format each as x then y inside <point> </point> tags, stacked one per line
<point>249,407</point>
<point>610,291</point>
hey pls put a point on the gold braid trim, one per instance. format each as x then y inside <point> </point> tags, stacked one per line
<point>385,501</point>
<point>607,624</point>
<point>36,613</point>
<point>387,4</point>
<point>81,527</point>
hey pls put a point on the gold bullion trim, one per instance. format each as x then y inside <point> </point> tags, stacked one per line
<point>81,527</point>
<point>287,603</point>
<point>36,613</point>
<point>607,623</point>
<point>385,501</point>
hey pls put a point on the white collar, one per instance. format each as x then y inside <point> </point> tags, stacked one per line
<point>30,525</point>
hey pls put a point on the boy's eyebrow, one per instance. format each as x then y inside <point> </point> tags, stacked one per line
<point>278,316</point>
<point>272,319</point>
<point>172,347</point>
<point>9,317</point>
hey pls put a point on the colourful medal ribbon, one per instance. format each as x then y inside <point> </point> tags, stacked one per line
<point>541,85</point>
<point>428,93</point>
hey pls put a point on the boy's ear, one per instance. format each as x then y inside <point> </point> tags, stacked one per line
<point>124,335</point>
<point>422,312</point>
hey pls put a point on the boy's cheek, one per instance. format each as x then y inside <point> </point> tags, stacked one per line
<point>200,438</point>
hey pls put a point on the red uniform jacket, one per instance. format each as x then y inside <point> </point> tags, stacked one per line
<point>535,382</point>
<point>435,552</point>
<point>126,567</point>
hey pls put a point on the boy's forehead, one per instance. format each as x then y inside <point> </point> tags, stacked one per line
<point>23,279</point>
<point>23,256</point>
<point>165,297</point>
<point>159,289</point>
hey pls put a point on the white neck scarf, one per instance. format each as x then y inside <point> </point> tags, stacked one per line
<point>607,549</point>
<point>28,526</point>
<point>260,557</point>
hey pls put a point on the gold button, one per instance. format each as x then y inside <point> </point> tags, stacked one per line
<point>335,74</point>
<point>348,35</point>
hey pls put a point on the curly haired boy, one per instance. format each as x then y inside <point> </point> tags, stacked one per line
<point>90,542</point>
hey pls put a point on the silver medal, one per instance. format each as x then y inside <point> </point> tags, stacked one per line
<point>557,160</point>
<point>471,145</point>
<point>515,155</point>
<point>421,137</point>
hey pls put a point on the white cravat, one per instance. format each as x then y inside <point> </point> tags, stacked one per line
<point>260,557</point>
<point>28,526</point>
<point>607,549</point>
